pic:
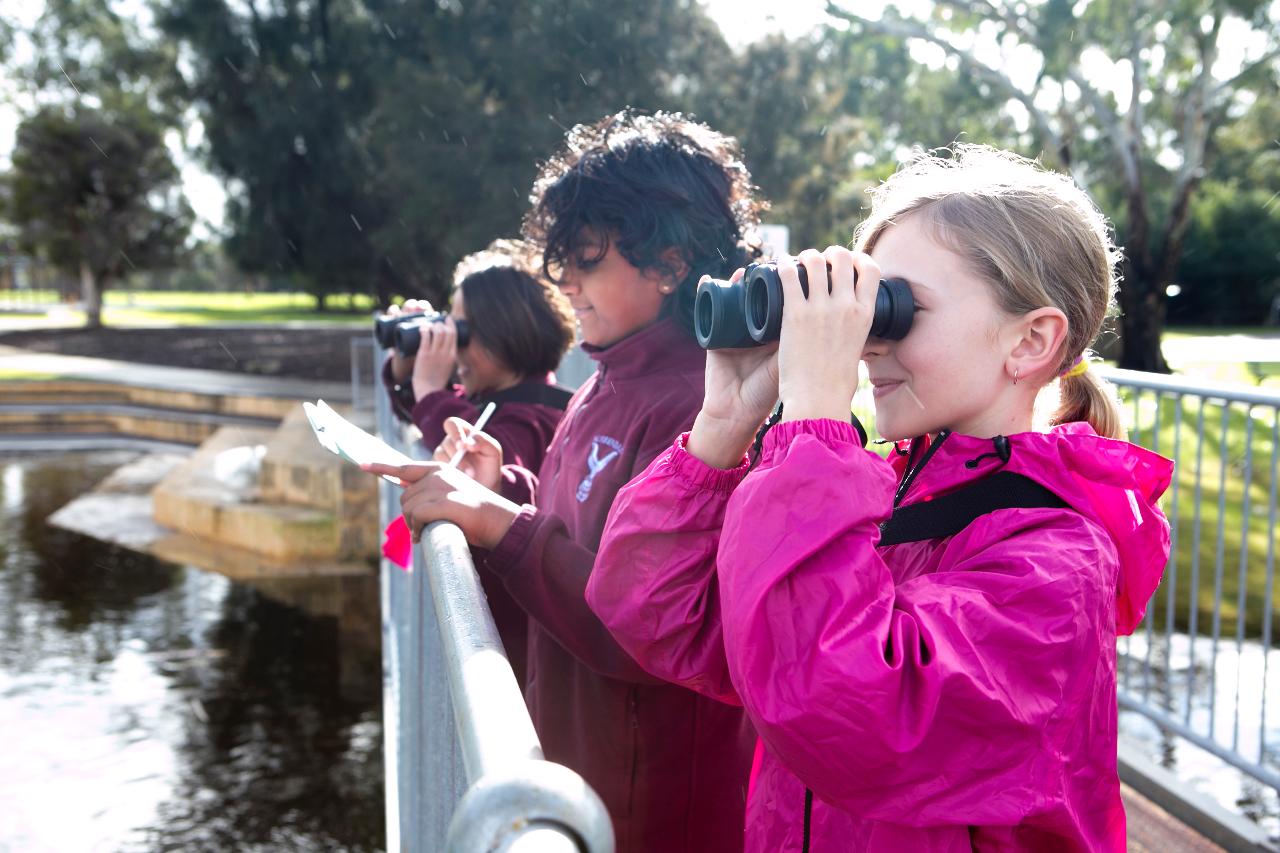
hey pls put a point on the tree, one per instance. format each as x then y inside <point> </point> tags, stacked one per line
<point>371,145</point>
<point>1147,141</point>
<point>96,196</point>
<point>823,118</point>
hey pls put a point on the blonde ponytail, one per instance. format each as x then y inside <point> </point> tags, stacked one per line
<point>1090,398</point>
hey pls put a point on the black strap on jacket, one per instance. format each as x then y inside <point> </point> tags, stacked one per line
<point>948,515</point>
<point>528,392</point>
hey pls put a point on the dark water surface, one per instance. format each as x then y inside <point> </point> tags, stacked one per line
<point>148,706</point>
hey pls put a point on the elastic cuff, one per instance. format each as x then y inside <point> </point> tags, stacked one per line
<point>831,432</point>
<point>513,545</point>
<point>693,472</point>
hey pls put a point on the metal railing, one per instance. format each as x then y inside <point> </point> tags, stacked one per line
<point>1199,663</point>
<point>464,768</point>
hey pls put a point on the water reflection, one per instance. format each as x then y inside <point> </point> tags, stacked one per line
<point>152,707</point>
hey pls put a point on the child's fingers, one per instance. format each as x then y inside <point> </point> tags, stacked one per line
<point>484,443</point>
<point>456,429</point>
<point>792,293</point>
<point>867,284</point>
<point>815,267</point>
<point>459,435</point>
<point>445,449</point>
<point>404,473</point>
<point>840,262</point>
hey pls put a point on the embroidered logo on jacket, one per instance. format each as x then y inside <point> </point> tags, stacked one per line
<point>597,461</point>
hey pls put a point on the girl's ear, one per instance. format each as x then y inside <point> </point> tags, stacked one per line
<point>1038,347</point>
<point>672,272</point>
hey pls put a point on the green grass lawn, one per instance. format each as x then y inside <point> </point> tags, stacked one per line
<point>128,308</point>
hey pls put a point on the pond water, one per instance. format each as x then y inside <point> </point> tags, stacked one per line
<point>149,706</point>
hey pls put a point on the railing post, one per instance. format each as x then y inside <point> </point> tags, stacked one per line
<point>464,765</point>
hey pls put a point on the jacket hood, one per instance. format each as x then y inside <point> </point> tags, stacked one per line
<point>1115,483</point>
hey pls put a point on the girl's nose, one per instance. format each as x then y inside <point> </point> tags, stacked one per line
<point>874,348</point>
<point>568,283</point>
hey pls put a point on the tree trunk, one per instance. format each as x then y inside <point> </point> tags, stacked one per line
<point>1142,304</point>
<point>91,297</point>
<point>1142,311</point>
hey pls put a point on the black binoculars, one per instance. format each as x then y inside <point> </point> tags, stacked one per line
<point>748,313</point>
<point>404,331</point>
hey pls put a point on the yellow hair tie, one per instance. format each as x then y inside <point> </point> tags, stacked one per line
<point>1076,369</point>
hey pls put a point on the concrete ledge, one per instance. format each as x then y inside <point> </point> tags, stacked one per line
<point>42,442</point>
<point>193,398</point>
<point>1222,827</point>
<point>171,381</point>
<point>188,430</point>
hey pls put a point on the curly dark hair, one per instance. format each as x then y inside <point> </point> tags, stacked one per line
<point>648,184</point>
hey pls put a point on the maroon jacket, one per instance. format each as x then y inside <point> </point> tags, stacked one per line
<point>670,765</point>
<point>523,423</point>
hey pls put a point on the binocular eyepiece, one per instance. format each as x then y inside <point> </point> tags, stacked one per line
<point>404,331</point>
<point>748,313</point>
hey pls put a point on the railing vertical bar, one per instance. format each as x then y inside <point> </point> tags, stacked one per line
<point>1219,553</point>
<point>1126,660</point>
<point>1271,565</point>
<point>1242,583</point>
<point>1194,589</point>
<point>1171,573</point>
<point>1154,601</point>
<point>1136,432</point>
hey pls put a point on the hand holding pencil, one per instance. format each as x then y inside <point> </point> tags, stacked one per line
<point>471,450</point>
<point>449,488</point>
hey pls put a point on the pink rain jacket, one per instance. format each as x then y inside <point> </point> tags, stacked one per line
<point>943,695</point>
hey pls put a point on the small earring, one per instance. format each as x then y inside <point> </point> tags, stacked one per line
<point>1015,375</point>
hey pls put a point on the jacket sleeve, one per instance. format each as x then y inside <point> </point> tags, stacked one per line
<point>546,570</point>
<point>654,585</point>
<point>400,393</point>
<point>931,701</point>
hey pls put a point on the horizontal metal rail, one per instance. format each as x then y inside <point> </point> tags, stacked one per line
<point>464,768</point>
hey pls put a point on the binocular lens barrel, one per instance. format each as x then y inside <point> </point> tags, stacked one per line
<point>719,316</point>
<point>404,332</point>
<point>749,313</point>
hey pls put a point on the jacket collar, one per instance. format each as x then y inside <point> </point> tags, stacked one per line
<point>1114,483</point>
<point>659,347</point>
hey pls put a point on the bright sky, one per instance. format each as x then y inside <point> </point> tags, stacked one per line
<point>742,21</point>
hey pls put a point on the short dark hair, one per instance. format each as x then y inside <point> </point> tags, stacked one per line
<point>513,311</point>
<point>649,184</point>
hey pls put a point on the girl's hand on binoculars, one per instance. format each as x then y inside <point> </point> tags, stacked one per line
<point>437,354</point>
<point>824,333</point>
<point>741,389</point>
<point>402,366</point>
<point>482,461</point>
